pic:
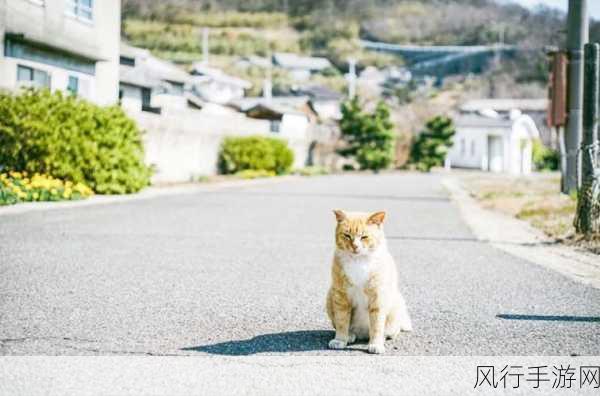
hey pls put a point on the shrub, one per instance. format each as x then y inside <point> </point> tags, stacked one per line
<point>432,145</point>
<point>17,187</point>
<point>255,153</point>
<point>254,174</point>
<point>544,158</point>
<point>71,139</point>
<point>369,137</point>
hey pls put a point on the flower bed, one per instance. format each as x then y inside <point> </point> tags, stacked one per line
<point>18,187</point>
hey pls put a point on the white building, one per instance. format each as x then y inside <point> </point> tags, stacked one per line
<point>289,116</point>
<point>67,45</point>
<point>150,84</point>
<point>494,143</point>
<point>215,86</point>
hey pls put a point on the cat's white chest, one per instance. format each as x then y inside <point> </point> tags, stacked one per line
<point>357,270</point>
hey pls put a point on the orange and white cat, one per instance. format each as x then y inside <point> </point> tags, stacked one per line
<point>363,301</point>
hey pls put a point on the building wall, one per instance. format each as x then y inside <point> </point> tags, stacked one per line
<point>184,145</point>
<point>470,148</point>
<point>46,23</point>
<point>516,149</point>
<point>131,98</point>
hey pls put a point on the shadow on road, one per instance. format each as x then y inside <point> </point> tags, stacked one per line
<point>291,341</point>
<point>551,318</point>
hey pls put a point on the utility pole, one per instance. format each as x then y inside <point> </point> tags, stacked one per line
<point>587,218</point>
<point>351,78</point>
<point>205,51</point>
<point>577,36</point>
<point>268,82</point>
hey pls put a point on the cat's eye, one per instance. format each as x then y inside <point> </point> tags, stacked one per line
<point>364,237</point>
<point>348,236</point>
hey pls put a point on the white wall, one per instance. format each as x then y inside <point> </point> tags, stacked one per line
<point>131,97</point>
<point>184,145</point>
<point>59,78</point>
<point>470,138</point>
<point>516,146</point>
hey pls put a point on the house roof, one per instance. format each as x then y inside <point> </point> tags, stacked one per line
<point>273,108</point>
<point>505,105</point>
<point>289,60</point>
<point>202,73</point>
<point>475,120</point>
<point>319,92</point>
<point>149,68</point>
<point>138,76</point>
<point>256,61</point>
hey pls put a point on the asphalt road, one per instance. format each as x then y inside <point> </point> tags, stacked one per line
<point>245,270</point>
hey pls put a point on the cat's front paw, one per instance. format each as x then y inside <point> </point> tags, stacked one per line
<point>376,348</point>
<point>337,344</point>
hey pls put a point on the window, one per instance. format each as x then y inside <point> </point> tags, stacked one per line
<point>73,85</point>
<point>37,78</point>
<point>463,147</point>
<point>82,9</point>
<point>275,126</point>
<point>473,148</point>
<point>16,48</point>
<point>127,61</point>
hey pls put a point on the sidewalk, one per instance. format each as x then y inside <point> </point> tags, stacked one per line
<point>147,193</point>
<point>520,239</point>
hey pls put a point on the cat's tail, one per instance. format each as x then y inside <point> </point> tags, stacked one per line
<point>399,319</point>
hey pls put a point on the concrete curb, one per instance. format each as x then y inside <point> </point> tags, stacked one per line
<point>520,239</point>
<point>148,193</point>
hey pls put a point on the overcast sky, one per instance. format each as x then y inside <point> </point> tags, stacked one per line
<point>593,5</point>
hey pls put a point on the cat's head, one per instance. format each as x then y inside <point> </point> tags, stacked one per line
<point>359,233</point>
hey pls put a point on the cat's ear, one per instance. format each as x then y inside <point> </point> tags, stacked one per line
<point>340,215</point>
<point>376,218</point>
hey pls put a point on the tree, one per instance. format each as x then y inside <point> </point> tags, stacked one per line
<point>587,217</point>
<point>369,137</point>
<point>432,145</point>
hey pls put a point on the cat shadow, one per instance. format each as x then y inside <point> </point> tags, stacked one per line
<point>290,341</point>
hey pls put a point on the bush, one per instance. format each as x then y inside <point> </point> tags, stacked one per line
<point>71,139</point>
<point>432,145</point>
<point>544,158</point>
<point>369,137</point>
<point>17,187</point>
<point>255,153</point>
<point>254,174</point>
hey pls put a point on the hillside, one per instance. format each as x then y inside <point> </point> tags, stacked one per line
<point>333,28</point>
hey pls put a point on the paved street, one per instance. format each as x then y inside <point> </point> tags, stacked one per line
<point>245,270</point>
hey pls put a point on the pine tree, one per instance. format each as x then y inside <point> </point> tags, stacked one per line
<point>369,137</point>
<point>432,145</point>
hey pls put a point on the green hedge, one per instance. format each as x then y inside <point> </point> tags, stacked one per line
<point>255,153</point>
<point>72,139</point>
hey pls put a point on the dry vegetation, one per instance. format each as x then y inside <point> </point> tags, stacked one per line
<point>535,199</point>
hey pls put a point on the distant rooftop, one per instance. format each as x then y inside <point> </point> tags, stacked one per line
<point>148,68</point>
<point>476,120</point>
<point>505,105</point>
<point>202,72</point>
<point>289,60</point>
<point>319,92</point>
